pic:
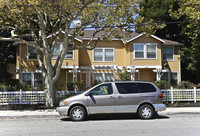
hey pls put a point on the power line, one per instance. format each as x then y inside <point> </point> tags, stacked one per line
<point>113,26</point>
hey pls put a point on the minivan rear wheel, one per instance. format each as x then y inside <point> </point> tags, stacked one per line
<point>77,113</point>
<point>146,112</point>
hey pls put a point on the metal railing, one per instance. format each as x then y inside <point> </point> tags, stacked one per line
<point>39,97</point>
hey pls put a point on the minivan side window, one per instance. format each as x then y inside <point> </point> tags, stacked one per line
<point>146,87</point>
<point>104,89</point>
<point>127,88</point>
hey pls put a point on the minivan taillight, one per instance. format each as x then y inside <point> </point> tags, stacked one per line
<point>160,96</point>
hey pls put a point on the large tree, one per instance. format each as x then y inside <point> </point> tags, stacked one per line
<point>38,19</point>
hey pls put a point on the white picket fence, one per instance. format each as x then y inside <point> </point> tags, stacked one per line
<point>173,95</point>
<point>31,97</point>
<point>39,97</point>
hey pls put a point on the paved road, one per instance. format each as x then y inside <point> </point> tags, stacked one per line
<point>118,125</point>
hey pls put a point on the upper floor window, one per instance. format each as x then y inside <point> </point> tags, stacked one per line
<point>103,54</point>
<point>168,53</point>
<point>145,50</point>
<point>59,47</point>
<point>32,53</point>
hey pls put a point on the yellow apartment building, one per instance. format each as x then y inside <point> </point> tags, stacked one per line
<point>146,57</point>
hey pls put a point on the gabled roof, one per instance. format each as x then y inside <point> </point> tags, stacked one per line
<point>153,36</point>
<point>87,34</point>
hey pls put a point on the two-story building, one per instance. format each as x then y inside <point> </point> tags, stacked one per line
<point>147,57</point>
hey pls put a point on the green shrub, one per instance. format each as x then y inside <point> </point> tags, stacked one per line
<point>3,87</point>
<point>185,85</point>
<point>72,85</point>
<point>162,84</point>
<point>198,85</point>
<point>124,75</point>
<point>23,86</point>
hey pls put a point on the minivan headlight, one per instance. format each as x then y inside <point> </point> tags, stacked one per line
<point>63,103</point>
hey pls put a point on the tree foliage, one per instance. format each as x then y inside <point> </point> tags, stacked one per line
<point>7,57</point>
<point>179,27</point>
<point>36,20</point>
<point>191,11</point>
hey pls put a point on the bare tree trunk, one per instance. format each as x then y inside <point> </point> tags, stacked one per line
<point>51,94</point>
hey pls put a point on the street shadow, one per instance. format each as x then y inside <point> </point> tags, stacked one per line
<point>107,117</point>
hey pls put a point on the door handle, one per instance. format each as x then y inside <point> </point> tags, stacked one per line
<point>111,97</point>
<point>119,97</point>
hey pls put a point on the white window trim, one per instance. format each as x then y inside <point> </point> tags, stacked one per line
<point>145,51</point>
<point>61,47</point>
<point>32,78</point>
<point>28,55</point>
<point>103,52</point>
<point>168,75</point>
<point>167,59</point>
<point>103,76</point>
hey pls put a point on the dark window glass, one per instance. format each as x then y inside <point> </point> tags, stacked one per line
<point>126,88</point>
<point>145,87</point>
<point>104,89</point>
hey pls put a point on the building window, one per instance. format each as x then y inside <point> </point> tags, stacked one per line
<point>98,78</point>
<point>37,79</point>
<point>109,77</point>
<point>103,77</point>
<point>168,53</point>
<point>27,78</point>
<point>59,47</point>
<point>32,53</point>
<point>103,55</point>
<point>33,79</point>
<point>145,51</point>
<point>171,77</point>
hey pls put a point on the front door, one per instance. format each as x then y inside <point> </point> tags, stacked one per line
<point>102,99</point>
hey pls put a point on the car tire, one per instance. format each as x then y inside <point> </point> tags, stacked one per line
<point>146,112</point>
<point>77,113</point>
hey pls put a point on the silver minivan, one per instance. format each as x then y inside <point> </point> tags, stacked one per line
<point>143,98</point>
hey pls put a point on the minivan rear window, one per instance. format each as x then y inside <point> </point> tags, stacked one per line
<point>146,87</point>
<point>126,88</point>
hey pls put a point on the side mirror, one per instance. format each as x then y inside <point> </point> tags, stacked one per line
<point>88,94</point>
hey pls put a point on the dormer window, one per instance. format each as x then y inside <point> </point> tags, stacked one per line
<point>145,50</point>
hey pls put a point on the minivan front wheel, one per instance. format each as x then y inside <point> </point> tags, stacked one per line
<point>77,113</point>
<point>146,112</point>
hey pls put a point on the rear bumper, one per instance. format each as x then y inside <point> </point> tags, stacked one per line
<point>62,110</point>
<point>159,107</point>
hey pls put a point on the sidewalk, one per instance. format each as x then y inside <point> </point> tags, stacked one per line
<point>52,112</point>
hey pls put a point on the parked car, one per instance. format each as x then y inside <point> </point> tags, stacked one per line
<point>143,98</point>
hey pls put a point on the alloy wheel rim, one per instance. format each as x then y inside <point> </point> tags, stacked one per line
<point>146,112</point>
<point>77,114</point>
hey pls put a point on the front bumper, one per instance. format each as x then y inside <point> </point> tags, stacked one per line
<point>62,110</point>
<point>159,107</point>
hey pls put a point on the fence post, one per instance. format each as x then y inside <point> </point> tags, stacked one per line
<point>20,96</point>
<point>172,95</point>
<point>195,94</point>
